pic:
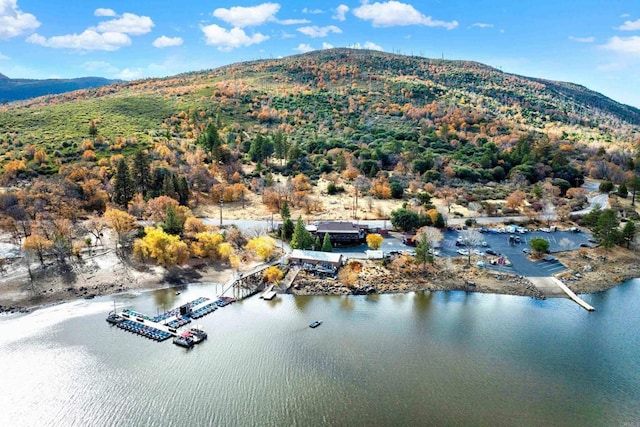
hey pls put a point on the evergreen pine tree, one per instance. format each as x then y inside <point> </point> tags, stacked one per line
<point>326,243</point>
<point>141,172</point>
<point>182,188</point>
<point>172,223</point>
<point>168,186</point>
<point>122,184</point>
<point>210,140</point>
<point>284,211</point>
<point>301,238</point>
<point>316,243</point>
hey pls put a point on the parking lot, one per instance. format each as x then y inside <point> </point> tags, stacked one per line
<point>512,250</point>
<point>499,244</point>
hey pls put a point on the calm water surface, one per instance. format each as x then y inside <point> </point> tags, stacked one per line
<point>446,358</point>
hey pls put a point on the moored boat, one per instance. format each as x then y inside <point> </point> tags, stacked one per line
<point>197,335</point>
<point>114,319</point>
<point>184,341</point>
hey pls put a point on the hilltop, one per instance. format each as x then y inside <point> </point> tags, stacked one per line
<point>19,89</point>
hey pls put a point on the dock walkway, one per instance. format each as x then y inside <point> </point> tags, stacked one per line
<point>552,287</point>
<point>165,325</point>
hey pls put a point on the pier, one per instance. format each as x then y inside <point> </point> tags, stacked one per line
<point>552,287</point>
<point>166,325</point>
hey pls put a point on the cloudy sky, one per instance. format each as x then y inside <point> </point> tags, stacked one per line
<point>591,42</point>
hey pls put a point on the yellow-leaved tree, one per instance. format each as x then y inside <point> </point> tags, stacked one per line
<point>206,244</point>
<point>374,241</point>
<point>225,250</point>
<point>263,247</point>
<point>38,245</point>
<point>272,274</point>
<point>121,222</point>
<point>166,249</point>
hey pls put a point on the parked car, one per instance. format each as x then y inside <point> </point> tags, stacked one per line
<point>526,250</point>
<point>491,252</point>
<point>464,252</point>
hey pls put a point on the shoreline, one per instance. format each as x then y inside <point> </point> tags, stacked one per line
<point>310,286</point>
<point>105,273</point>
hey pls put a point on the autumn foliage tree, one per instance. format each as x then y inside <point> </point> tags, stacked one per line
<point>166,249</point>
<point>206,244</point>
<point>263,247</point>
<point>37,244</point>
<point>374,241</point>
<point>272,274</point>
<point>121,222</point>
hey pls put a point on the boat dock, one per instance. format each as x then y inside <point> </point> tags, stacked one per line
<point>164,326</point>
<point>552,287</point>
<point>268,294</point>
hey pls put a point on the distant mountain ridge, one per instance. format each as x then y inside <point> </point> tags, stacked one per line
<point>19,89</point>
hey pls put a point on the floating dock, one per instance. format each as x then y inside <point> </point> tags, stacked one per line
<point>268,294</point>
<point>165,325</point>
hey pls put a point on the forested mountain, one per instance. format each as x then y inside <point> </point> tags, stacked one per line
<point>341,111</point>
<point>18,89</point>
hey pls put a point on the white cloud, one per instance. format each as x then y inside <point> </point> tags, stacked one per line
<point>227,40</point>
<point>102,66</point>
<point>88,40</point>
<point>327,45</point>
<point>13,21</point>
<point>312,11</point>
<point>626,45</point>
<point>101,11</point>
<point>4,57</point>
<point>481,25</point>
<point>292,21</point>
<point>129,23</point>
<point>239,16</point>
<point>367,45</point>
<point>393,13</point>
<point>582,39</point>
<point>304,48</point>
<point>129,74</point>
<point>340,12</point>
<point>164,41</point>
<point>315,31</point>
<point>630,25</point>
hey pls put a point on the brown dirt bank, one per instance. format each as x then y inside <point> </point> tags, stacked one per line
<point>599,269</point>
<point>401,275</point>
<point>104,273</point>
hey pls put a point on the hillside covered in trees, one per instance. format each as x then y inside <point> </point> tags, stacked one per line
<point>381,125</point>
<point>18,89</point>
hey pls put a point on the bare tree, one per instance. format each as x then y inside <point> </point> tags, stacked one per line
<point>433,235</point>
<point>470,239</point>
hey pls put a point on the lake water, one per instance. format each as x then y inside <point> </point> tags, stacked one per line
<point>445,358</point>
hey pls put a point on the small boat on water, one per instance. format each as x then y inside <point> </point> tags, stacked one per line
<point>197,335</point>
<point>113,317</point>
<point>184,341</point>
<point>315,323</point>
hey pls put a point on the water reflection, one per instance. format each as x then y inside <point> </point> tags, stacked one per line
<point>449,357</point>
<point>347,303</point>
<point>302,301</point>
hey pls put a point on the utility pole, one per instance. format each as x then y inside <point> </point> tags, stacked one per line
<point>221,203</point>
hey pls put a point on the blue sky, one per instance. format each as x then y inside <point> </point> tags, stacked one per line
<point>591,42</point>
